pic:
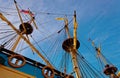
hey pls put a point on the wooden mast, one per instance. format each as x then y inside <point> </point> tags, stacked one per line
<point>73,49</point>
<point>18,39</point>
<point>74,52</point>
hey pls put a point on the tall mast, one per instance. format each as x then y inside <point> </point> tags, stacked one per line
<point>72,44</point>
<point>109,69</point>
<point>74,52</point>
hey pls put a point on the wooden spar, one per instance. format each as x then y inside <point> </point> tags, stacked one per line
<point>24,38</point>
<point>16,43</point>
<point>75,30</point>
<point>74,52</point>
<point>66,27</point>
<point>33,19</point>
<point>99,55</point>
<point>18,39</point>
<point>20,17</point>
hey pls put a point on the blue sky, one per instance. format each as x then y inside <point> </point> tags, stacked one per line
<point>97,19</point>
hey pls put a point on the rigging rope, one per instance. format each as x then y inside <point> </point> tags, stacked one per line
<point>41,49</point>
<point>87,69</point>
